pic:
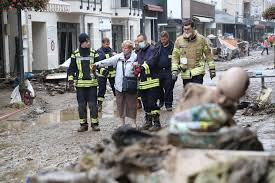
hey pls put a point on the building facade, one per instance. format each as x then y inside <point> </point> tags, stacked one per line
<point>50,36</point>
<point>202,11</point>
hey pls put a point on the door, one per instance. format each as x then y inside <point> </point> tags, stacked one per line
<point>67,39</point>
<point>117,34</point>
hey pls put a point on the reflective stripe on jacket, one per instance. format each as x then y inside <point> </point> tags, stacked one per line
<point>196,52</point>
<point>76,72</point>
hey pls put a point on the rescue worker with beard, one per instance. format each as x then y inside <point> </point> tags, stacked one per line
<point>105,74</point>
<point>189,55</point>
<point>165,49</point>
<point>81,70</point>
<point>148,83</point>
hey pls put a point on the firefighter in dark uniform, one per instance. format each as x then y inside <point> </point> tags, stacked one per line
<point>148,83</point>
<point>82,76</point>
<point>165,49</point>
<point>105,73</point>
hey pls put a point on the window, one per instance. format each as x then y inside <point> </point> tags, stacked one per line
<point>135,4</point>
<point>124,3</point>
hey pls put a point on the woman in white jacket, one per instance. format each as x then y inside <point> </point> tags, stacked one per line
<point>126,102</point>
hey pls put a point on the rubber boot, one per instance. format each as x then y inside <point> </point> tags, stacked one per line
<point>95,126</point>
<point>99,105</point>
<point>148,122</point>
<point>83,128</point>
<point>156,123</point>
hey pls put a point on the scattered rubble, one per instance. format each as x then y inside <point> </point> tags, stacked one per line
<point>53,81</point>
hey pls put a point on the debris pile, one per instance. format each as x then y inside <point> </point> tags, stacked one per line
<point>53,81</point>
<point>137,157</point>
<point>202,120</point>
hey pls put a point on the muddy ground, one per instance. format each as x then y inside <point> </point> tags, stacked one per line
<point>44,136</point>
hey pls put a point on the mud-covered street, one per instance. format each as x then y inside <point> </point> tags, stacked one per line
<point>44,136</point>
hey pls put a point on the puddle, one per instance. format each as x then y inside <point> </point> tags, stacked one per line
<point>109,111</point>
<point>59,116</point>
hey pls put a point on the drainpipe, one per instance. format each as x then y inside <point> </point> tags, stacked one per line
<point>142,25</point>
<point>130,7</point>
<point>20,40</point>
<point>94,5</point>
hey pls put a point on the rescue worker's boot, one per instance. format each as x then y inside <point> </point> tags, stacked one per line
<point>148,122</point>
<point>156,123</point>
<point>95,125</point>
<point>83,127</point>
<point>99,106</point>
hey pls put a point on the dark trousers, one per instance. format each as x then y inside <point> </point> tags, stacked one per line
<point>166,87</point>
<point>87,95</point>
<point>264,50</point>
<point>195,79</point>
<point>102,81</point>
<point>149,98</point>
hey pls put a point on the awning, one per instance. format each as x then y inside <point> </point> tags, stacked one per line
<point>58,6</point>
<point>259,26</point>
<point>204,19</point>
<point>224,18</point>
<point>153,7</point>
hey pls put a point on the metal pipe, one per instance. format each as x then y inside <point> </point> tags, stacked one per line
<point>100,5</point>
<point>88,7</point>
<point>81,4</point>
<point>20,40</point>
<point>94,5</point>
<point>130,7</point>
<point>142,26</point>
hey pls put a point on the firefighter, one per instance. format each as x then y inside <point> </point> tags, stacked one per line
<point>104,74</point>
<point>81,71</point>
<point>148,83</point>
<point>165,49</point>
<point>189,55</point>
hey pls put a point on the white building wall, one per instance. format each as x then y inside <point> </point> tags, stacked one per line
<point>174,9</point>
<point>50,60</point>
<point>51,20</point>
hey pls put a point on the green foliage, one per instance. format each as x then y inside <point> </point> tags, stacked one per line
<point>23,4</point>
<point>269,13</point>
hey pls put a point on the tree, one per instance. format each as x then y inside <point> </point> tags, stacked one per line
<point>23,4</point>
<point>269,13</point>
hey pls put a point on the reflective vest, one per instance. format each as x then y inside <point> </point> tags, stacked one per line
<point>79,82</point>
<point>195,53</point>
<point>112,71</point>
<point>149,82</point>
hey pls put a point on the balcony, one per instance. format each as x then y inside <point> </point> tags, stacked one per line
<point>124,8</point>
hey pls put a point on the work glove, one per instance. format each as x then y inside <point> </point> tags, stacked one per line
<point>93,68</point>
<point>71,85</point>
<point>142,73</point>
<point>174,75</point>
<point>137,70</point>
<point>212,73</point>
<point>105,73</point>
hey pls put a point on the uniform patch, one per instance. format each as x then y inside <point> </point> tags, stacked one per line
<point>183,46</point>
